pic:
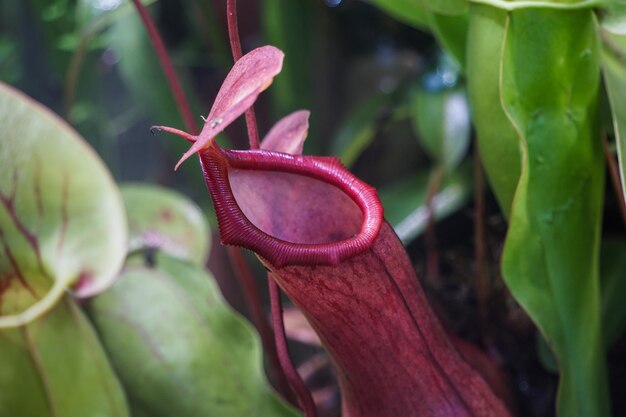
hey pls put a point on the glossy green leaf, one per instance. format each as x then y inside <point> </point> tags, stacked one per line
<point>55,367</point>
<point>451,33</point>
<point>550,260</point>
<point>498,142</point>
<point>177,346</point>
<point>62,222</point>
<point>614,71</point>
<point>405,201</point>
<point>442,120</point>
<point>163,219</point>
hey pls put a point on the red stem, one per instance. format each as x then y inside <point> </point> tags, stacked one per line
<point>295,380</point>
<point>257,315</point>
<point>430,237</point>
<point>168,69</point>
<point>235,46</point>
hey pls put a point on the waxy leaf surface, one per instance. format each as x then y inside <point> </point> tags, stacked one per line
<point>62,223</point>
<point>177,346</point>
<point>55,367</point>
<point>550,83</point>
<point>163,219</point>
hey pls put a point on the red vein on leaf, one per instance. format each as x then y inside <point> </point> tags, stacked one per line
<point>295,380</point>
<point>37,189</point>
<point>9,204</point>
<point>15,266</point>
<point>235,46</point>
<point>168,68</point>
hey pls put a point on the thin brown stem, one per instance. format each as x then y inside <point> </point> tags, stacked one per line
<point>295,380</point>
<point>614,176</point>
<point>235,46</point>
<point>430,237</point>
<point>168,68</point>
<point>257,315</point>
<point>481,274</point>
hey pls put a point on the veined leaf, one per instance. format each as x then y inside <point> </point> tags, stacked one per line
<point>550,259</point>
<point>62,222</point>
<point>163,219</point>
<point>178,348</point>
<point>55,366</point>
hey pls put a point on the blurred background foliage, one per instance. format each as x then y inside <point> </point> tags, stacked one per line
<point>383,97</point>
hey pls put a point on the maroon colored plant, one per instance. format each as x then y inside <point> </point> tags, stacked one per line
<point>321,233</point>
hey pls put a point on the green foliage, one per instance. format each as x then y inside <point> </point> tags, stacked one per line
<point>62,222</point>
<point>405,201</point>
<point>162,219</point>
<point>55,366</point>
<point>550,261</point>
<point>178,348</point>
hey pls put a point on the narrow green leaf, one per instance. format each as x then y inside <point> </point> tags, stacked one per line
<point>178,348</point>
<point>359,128</point>
<point>550,259</point>
<point>62,221</point>
<point>405,201</point>
<point>163,219</point>
<point>55,367</point>
<point>498,142</point>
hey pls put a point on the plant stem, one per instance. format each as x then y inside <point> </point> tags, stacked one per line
<point>430,238</point>
<point>257,315</point>
<point>614,176</point>
<point>235,46</point>
<point>295,380</point>
<point>168,68</point>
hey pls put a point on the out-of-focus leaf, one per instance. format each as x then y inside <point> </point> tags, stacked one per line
<point>498,141</point>
<point>163,219</point>
<point>290,26</point>
<point>614,70</point>
<point>55,367</point>
<point>613,19</point>
<point>446,19</point>
<point>178,348</point>
<point>441,118</point>
<point>410,12</point>
<point>405,202</point>
<point>613,274</point>
<point>361,125</point>
<point>550,260</point>
<point>62,221</point>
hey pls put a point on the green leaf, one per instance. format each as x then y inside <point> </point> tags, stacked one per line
<point>550,260</point>
<point>614,70</point>
<point>62,222</point>
<point>405,201</point>
<point>613,273</point>
<point>360,127</point>
<point>441,118</point>
<point>163,219</point>
<point>55,366</point>
<point>178,348</point>
<point>498,141</point>
<point>411,12</point>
